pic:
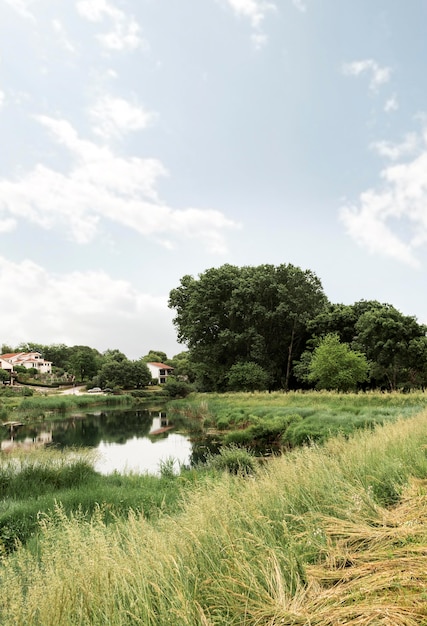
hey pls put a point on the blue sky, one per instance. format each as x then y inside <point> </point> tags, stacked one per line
<point>143,140</point>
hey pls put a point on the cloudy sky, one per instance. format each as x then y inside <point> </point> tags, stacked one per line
<point>142,140</point>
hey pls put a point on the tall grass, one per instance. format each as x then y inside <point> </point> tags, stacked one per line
<point>292,419</point>
<point>275,548</point>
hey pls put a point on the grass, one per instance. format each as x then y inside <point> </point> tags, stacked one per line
<point>293,419</point>
<point>39,406</point>
<point>33,484</point>
<point>320,536</point>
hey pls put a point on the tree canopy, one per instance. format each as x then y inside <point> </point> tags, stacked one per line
<point>231,315</point>
<point>334,366</point>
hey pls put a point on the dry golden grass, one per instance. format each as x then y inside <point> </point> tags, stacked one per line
<point>373,572</point>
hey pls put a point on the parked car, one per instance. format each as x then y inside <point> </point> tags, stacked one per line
<point>95,390</point>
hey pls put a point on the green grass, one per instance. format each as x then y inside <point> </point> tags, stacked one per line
<point>33,484</point>
<point>290,544</point>
<point>283,421</point>
<point>39,406</point>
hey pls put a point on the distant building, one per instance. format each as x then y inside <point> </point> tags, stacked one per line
<point>6,365</point>
<point>28,360</point>
<point>160,371</point>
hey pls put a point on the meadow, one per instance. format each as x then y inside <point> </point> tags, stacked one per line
<point>287,420</point>
<point>325,534</point>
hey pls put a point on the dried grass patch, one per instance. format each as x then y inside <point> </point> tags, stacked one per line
<point>372,572</point>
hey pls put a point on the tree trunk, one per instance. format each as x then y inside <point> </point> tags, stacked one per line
<point>290,349</point>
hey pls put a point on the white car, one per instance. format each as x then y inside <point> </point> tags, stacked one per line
<point>95,390</point>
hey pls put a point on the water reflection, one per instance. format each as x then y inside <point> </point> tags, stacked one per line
<point>137,441</point>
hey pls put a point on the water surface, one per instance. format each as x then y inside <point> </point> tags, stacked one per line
<point>137,441</point>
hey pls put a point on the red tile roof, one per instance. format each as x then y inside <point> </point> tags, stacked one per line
<point>161,365</point>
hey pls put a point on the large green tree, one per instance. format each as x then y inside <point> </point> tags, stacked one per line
<point>83,362</point>
<point>334,365</point>
<point>124,374</point>
<point>232,315</point>
<point>393,342</point>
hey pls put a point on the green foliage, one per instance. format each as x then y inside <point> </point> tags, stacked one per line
<point>124,374</point>
<point>176,388</point>
<point>393,342</point>
<point>33,486</point>
<point>155,356</point>
<point>183,366</point>
<point>247,376</point>
<point>83,362</point>
<point>4,375</point>
<point>233,459</point>
<point>277,421</point>
<point>235,315</point>
<point>334,366</point>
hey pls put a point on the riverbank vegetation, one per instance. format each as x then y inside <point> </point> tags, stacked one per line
<point>322,535</point>
<point>34,483</point>
<point>278,421</point>
<point>18,406</point>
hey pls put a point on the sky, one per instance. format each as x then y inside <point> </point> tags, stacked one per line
<point>144,140</point>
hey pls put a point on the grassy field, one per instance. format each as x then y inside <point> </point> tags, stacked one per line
<point>324,535</point>
<point>279,420</point>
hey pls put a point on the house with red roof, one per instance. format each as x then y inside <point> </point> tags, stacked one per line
<point>26,359</point>
<point>160,371</point>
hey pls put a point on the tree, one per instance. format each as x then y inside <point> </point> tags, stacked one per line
<point>83,362</point>
<point>391,341</point>
<point>124,374</point>
<point>234,315</point>
<point>4,374</point>
<point>183,367</point>
<point>155,356</point>
<point>335,366</point>
<point>248,376</point>
<point>114,355</point>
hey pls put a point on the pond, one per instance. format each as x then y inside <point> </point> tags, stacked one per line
<point>124,441</point>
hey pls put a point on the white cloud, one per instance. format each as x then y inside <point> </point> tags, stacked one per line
<point>114,116</point>
<point>378,75</point>
<point>63,39</point>
<point>381,217</point>
<point>88,308</point>
<point>21,7</point>
<point>255,11</point>
<point>125,32</point>
<point>391,104</point>
<point>101,186</point>
<point>396,151</point>
<point>2,98</point>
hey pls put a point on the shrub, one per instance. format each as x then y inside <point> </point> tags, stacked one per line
<point>176,388</point>
<point>235,460</point>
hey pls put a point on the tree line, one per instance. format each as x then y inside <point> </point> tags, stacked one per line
<point>273,327</point>
<point>264,327</point>
<point>111,369</point>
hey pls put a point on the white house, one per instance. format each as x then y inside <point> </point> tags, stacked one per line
<point>28,360</point>
<point>5,365</point>
<point>160,371</point>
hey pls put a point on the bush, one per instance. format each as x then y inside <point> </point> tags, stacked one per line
<point>235,460</point>
<point>177,388</point>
